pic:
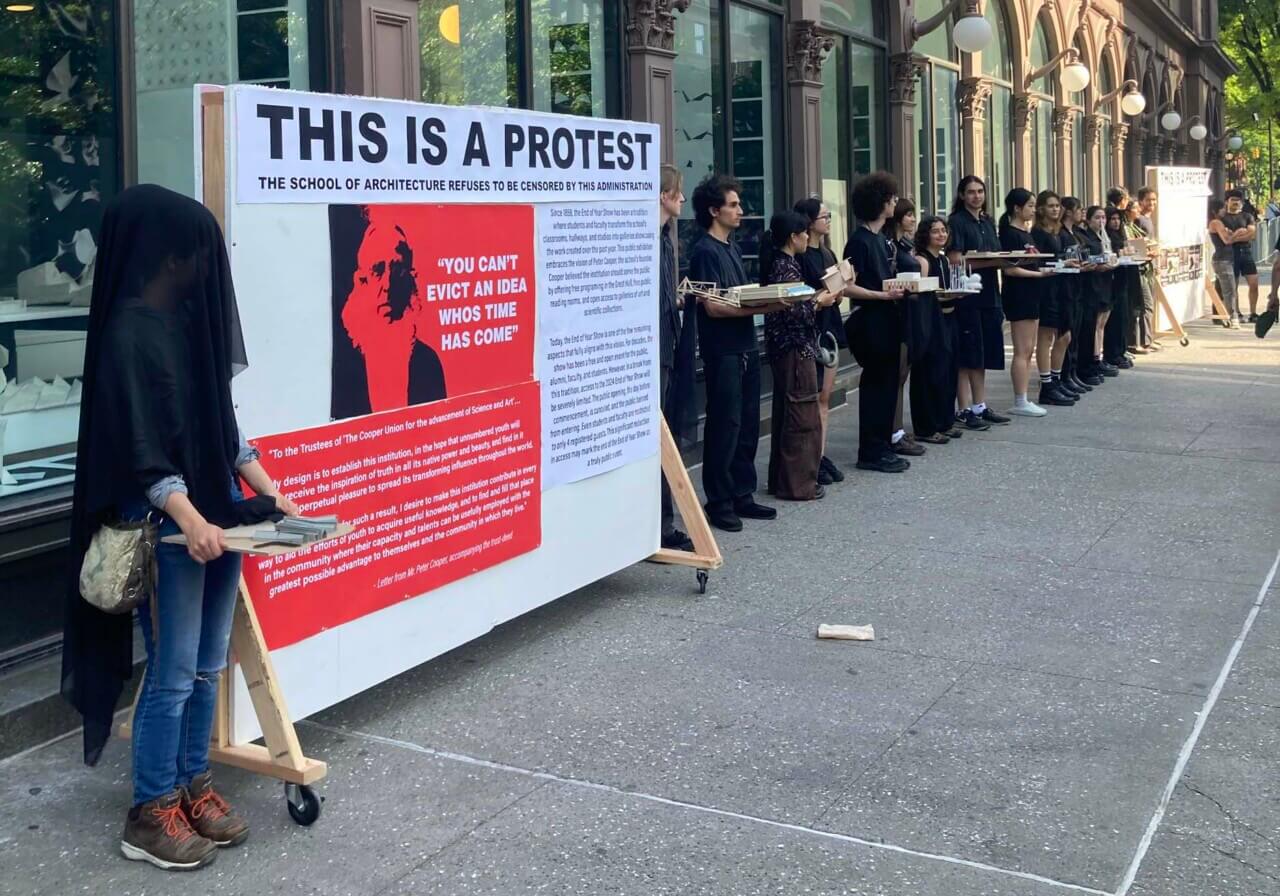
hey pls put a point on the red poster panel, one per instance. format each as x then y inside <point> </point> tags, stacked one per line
<point>429,302</point>
<point>436,492</point>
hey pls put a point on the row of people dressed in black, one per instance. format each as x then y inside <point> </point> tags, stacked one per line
<point>946,343</point>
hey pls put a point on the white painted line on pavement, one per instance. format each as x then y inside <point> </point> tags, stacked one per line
<point>709,810</point>
<point>1185,756</point>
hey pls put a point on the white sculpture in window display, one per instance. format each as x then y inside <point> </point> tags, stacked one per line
<point>45,284</point>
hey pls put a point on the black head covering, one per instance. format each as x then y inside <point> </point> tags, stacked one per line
<point>162,346</point>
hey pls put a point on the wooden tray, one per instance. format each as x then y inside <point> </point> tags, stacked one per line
<point>240,540</point>
<point>1004,256</point>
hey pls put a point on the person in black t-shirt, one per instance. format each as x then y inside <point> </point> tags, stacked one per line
<point>874,329</point>
<point>1243,226</point>
<point>979,320</point>
<point>1023,287</point>
<point>730,362</point>
<point>1054,336</point>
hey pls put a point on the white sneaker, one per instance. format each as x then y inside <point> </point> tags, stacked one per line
<point>1030,409</point>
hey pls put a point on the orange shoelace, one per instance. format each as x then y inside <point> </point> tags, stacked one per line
<point>210,803</point>
<point>175,822</point>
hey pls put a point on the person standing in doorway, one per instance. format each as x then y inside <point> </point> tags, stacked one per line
<point>670,203</point>
<point>874,329</point>
<point>730,361</point>
<point>981,323</point>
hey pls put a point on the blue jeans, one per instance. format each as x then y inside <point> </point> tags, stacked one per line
<point>174,717</point>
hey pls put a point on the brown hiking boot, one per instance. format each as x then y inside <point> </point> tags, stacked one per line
<point>158,832</point>
<point>210,815</point>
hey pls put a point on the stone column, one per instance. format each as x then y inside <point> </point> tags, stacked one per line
<point>651,34</point>
<point>1024,119</point>
<point>972,97</point>
<point>807,48</point>
<point>1137,156</point>
<point>1094,170</point>
<point>1063,157</point>
<point>1119,134</point>
<point>905,70</point>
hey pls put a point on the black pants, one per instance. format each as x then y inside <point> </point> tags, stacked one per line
<point>668,512</point>
<point>945,398</point>
<point>930,375</point>
<point>875,336</point>
<point>1115,334</point>
<point>732,430</point>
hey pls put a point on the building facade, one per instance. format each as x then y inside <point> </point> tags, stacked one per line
<point>794,97</point>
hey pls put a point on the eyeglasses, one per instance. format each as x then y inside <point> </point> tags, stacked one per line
<point>826,217</point>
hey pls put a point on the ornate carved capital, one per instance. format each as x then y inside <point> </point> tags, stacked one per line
<point>1062,119</point>
<point>972,95</point>
<point>1119,133</point>
<point>651,24</point>
<point>905,70</point>
<point>1024,110</point>
<point>1093,132</point>
<point>806,51</point>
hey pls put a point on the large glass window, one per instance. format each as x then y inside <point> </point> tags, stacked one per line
<point>856,16</point>
<point>1042,135</point>
<point>699,104</point>
<point>470,52</point>
<point>946,135</point>
<point>1079,183</point>
<point>836,143</point>
<point>755,43</point>
<point>58,164</point>
<point>866,107</point>
<point>178,45</point>
<point>999,135</point>
<point>1105,156</point>
<point>924,145</point>
<point>575,53</point>
<point>937,115</point>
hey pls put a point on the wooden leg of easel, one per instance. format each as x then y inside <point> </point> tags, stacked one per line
<point>1219,306</point>
<point>706,553</point>
<point>1175,325</point>
<point>282,757</point>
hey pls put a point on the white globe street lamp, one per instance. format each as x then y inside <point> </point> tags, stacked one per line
<point>1075,77</point>
<point>1198,132</point>
<point>1171,121</point>
<point>1235,141</point>
<point>971,34</point>
<point>1132,104</point>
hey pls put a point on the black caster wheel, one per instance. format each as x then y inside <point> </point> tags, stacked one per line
<point>702,581</point>
<point>303,803</point>
<point>1184,342</point>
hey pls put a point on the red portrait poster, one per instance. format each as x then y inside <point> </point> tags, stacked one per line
<point>436,492</point>
<point>429,302</point>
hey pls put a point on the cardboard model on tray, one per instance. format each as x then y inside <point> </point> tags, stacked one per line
<point>746,296</point>
<point>839,276</point>
<point>913,284</point>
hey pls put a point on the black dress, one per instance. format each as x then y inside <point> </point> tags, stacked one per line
<point>933,370</point>
<point>1020,296</point>
<point>1052,290</point>
<point>874,330</point>
<point>980,319</point>
<point>1097,286</point>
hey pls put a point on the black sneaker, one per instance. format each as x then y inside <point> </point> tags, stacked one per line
<point>1108,370</point>
<point>1253,318</point>
<point>725,519</point>
<point>991,416</point>
<point>750,510</point>
<point>832,470</point>
<point>890,463</point>
<point>824,478</point>
<point>970,420</point>
<point>677,541</point>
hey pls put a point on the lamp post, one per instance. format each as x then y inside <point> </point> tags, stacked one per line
<point>1075,74</point>
<point>1132,102</point>
<point>972,32</point>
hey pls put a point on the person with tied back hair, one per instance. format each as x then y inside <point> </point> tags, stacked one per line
<point>1056,301</point>
<point>675,366</point>
<point>730,361</point>
<point>814,262</point>
<point>1021,295</point>
<point>1076,362</point>
<point>874,329</point>
<point>791,339</point>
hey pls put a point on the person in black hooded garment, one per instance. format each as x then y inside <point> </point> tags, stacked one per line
<point>158,437</point>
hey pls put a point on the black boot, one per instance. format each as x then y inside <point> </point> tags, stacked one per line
<point>1050,394</point>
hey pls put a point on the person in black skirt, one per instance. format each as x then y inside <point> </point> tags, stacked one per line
<point>1075,370</point>
<point>1125,295</point>
<point>874,329</point>
<point>981,346</point>
<point>933,369</point>
<point>814,262</point>
<point>1022,288</point>
<point>1095,292</point>
<point>902,227</point>
<point>1054,334</point>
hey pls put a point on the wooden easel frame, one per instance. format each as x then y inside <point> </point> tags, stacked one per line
<point>282,756</point>
<point>705,555</point>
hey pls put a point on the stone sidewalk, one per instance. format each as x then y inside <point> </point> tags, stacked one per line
<point>1057,603</point>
